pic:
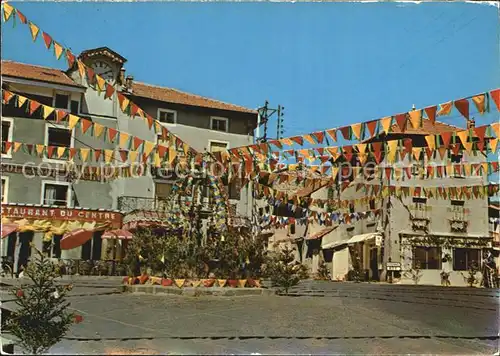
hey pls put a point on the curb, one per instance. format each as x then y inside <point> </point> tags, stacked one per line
<point>194,292</point>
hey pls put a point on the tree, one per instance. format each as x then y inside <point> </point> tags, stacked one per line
<point>41,319</point>
<point>284,271</point>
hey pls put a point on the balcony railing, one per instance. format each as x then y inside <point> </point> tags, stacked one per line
<point>458,225</point>
<point>129,203</point>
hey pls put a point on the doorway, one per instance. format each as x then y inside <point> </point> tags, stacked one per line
<point>25,239</point>
<point>374,263</point>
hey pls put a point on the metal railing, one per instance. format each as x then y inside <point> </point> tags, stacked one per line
<point>130,203</point>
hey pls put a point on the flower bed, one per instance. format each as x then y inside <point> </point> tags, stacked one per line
<point>186,282</point>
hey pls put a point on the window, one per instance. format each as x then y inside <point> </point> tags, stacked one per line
<point>216,146</point>
<point>92,249</point>
<point>7,125</point>
<point>261,211</point>
<point>163,190</point>
<point>56,193</point>
<point>167,116</point>
<point>58,136</point>
<point>463,258</point>
<point>75,107</point>
<point>235,189</point>
<point>351,208</point>
<point>5,189</point>
<point>372,204</point>
<point>219,124</point>
<point>458,210</point>
<point>61,101</point>
<point>427,257</point>
<point>420,207</point>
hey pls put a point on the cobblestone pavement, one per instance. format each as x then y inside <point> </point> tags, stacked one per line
<point>339,318</point>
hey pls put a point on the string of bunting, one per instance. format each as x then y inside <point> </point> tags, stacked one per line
<point>375,127</point>
<point>133,148</point>
<point>95,81</point>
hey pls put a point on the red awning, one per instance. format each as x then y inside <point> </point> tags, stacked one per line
<point>320,233</point>
<point>75,238</point>
<point>118,234</point>
<point>8,229</point>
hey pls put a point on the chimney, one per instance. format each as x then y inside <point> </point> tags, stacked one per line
<point>471,123</point>
<point>128,82</point>
<point>121,77</point>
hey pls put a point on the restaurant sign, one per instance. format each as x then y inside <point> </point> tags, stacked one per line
<point>44,213</point>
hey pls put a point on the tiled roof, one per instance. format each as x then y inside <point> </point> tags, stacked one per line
<point>427,128</point>
<point>38,73</point>
<point>179,97</point>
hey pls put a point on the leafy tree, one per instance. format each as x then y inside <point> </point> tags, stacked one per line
<point>41,319</point>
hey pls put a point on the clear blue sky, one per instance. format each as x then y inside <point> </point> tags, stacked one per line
<point>329,64</point>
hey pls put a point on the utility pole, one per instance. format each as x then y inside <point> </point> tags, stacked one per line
<point>264,114</point>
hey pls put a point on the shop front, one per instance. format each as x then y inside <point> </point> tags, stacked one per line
<point>60,233</point>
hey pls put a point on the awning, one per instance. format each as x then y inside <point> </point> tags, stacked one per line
<point>320,233</point>
<point>334,244</point>
<point>118,234</point>
<point>362,237</point>
<point>75,238</point>
<point>8,229</point>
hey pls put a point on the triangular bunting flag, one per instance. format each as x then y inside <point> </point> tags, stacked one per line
<point>98,129</point>
<point>86,124</point>
<point>416,118</point>
<point>401,121</point>
<point>385,123</point>
<point>58,50</point>
<point>8,10</point>
<point>34,31</point>
<point>462,106</point>
<point>21,17</point>
<point>73,120</point>
<point>495,96</point>
<point>47,110</point>
<point>47,40</point>
<point>445,108</point>
<point>70,58</point>
<point>356,130</point>
<point>480,101</point>
<point>333,134</point>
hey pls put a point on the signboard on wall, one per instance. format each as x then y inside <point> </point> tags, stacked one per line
<point>44,213</point>
<point>393,266</point>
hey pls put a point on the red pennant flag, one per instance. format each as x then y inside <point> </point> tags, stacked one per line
<point>430,171</point>
<point>462,106</point>
<point>133,110</point>
<point>7,146</point>
<point>297,139</point>
<point>446,137</point>
<point>408,145</point>
<point>72,152</point>
<point>50,151</point>
<point>33,106</point>
<point>372,125</point>
<point>90,75</point>
<point>495,95</point>
<point>319,136</point>
<point>109,91</point>
<point>86,124</point>
<point>388,171</point>
<point>97,153</point>
<point>7,96</point>
<point>429,151</point>
<point>408,172</point>
<point>60,115</point>
<point>480,132</point>
<point>21,17</point>
<point>47,39</point>
<point>348,153</point>
<point>112,134</point>
<point>70,58</point>
<point>162,151</point>
<point>377,151</point>
<point>431,113</point>
<point>346,132</point>
<point>440,171</point>
<point>494,165</point>
<point>276,143</point>
<point>151,121</point>
<point>480,146</point>
<point>137,142</point>
<point>320,150</point>
<point>401,121</point>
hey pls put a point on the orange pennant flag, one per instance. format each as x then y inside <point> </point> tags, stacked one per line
<point>463,135</point>
<point>496,128</point>
<point>123,140</point>
<point>467,146</point>
<point>101,83</point>
<point>416,152</point>
<point>333,134</point>
<point>493,145</point>
<point>39,149</point>
<point>479,101</point>
<point>431,141</point>
<point>81,68</point>
<point>309,139</point>
<point>17,146</point>
<point>356,130</point>
<point>415,118</point>
<point>495,96</point>
<point>445,108</point>
<point>386,123</point>
<point>462,106</point>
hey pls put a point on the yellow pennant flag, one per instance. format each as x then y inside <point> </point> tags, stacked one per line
<point>84,154</point>
<point>361,147</point>
<point>309,139</point>
<point>98,129</point>
<point>101,83</point>
<point>445,108</point>
<point>386,123</point>
<point>334,152</point>
<point>20,101</point>
<point>148,148</point>
<point>47,110</point>
<point>39,149</point>
<point>124,104</point>
<point>467,146</point>
<point>123,140</point>
<point>463,135</point>
<point>81,68</point>
<point>34,30</point>
<point>468,170</point>
<point>496,128</point>
<point>335,171</point>
<point>157,127</point>
<point>132,155</point>
<point>397,173</point>
<point>393,146</point>
<point>108,155</point>
<point>157,160</point>
<point>8,10</point>
<point>431,141</point>
<point>416,152</point>
<point>186,148</point>
<point>493,145</point>
<point>73,120</point>
<point>172,153</point>
<point>293,167</point>
<point>58,50</point>
<point>415,118</point>
<point>479,101</point>
<point>356,130</point>
<point>60,151</point>
<point>362,157</point>
<point>17,146</point>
